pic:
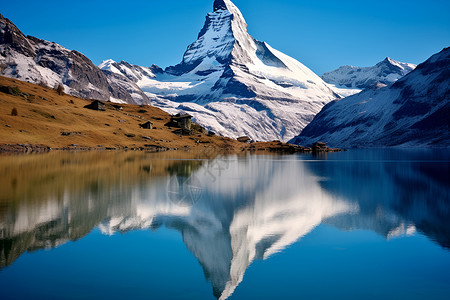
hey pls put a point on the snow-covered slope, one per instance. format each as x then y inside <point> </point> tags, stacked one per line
<point>414,111</point>
<point>350,80</point>
<point>132,72</point>
<point>41,62</point>
<point>236,85</point>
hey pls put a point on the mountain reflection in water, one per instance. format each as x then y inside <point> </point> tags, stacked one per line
<point>230,210</point>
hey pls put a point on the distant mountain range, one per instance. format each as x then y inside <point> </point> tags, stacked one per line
<point>414,111</point>
<point>350,80</point>
<point>231,83</point>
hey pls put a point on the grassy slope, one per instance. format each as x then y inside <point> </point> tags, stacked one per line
<point>44,115</point>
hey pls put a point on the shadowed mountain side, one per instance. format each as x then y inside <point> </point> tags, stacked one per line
<point>412,112</point>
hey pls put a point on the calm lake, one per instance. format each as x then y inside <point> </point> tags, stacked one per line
<point>362,224</point>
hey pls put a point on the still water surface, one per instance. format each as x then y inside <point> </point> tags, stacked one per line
<point>363,224</point>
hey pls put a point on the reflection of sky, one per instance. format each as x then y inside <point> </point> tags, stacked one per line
<point>254,208</point>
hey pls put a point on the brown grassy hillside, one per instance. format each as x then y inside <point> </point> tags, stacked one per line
<point>43,116</point>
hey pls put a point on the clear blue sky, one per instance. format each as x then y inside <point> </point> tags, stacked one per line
<point>321,34</point>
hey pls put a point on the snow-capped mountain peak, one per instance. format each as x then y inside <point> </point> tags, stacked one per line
<point>236,85</point>
<point>106,64</point>
<point>391,61</point>
<point>109,66</point>
<point>132,72</point>
<point>223,39</point>
<point>398,67</point>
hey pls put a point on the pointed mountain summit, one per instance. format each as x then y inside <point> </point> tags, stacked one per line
<point>236,85</point>
<point>247,67</point>
<point>220,5</point>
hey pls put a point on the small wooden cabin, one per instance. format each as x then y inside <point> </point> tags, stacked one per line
<point>146,125</point>
<point>183,121</point>
<point>96,105</point>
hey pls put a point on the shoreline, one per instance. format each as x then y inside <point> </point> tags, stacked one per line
<point>272,147</point>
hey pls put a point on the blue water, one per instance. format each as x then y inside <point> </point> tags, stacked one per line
<point>362,224</point>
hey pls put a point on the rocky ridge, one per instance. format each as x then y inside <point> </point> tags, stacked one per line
<point>46,63</point>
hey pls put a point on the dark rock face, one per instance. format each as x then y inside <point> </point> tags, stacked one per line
<point>38,61</point>
<point>225,44</point>
<point>413,111</point>
<point>122,88</point>
<point>219,5</point>
<point>156,69</point>
<point>11,35</point>
<point>267,57</point>
<point>230,85</point>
